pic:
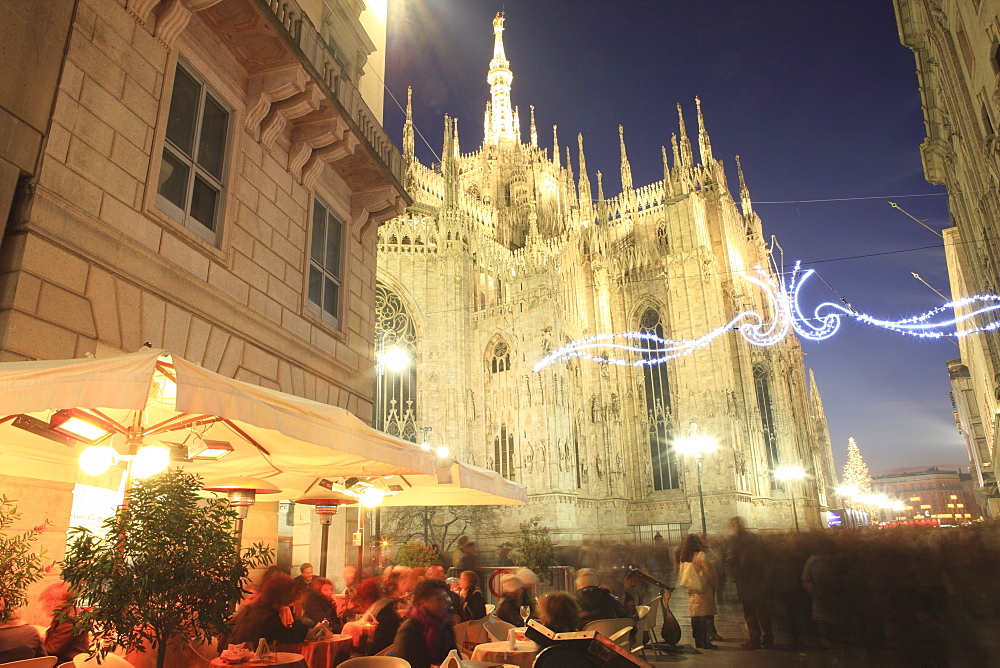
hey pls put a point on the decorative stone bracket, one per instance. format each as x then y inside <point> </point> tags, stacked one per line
<point>275,84</point>
<point>171,17</point>
<point>371,208</point>
<point>319,138</point>
<point>293,107</point>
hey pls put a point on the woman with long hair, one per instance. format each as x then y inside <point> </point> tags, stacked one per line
<point>697,577</point>
<point>473,601</point>
<point>425,637</point>
<point>559,612</point>
<point>318,603</point>
<point>270,616</point>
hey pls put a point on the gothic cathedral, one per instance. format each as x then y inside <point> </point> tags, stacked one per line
<point>506,255</point>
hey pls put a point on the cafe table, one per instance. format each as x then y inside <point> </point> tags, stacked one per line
<point>282,660</point>
<point>522,655</point>
<point>327,653</point>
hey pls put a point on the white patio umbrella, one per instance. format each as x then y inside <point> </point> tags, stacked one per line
<point>153,397</point>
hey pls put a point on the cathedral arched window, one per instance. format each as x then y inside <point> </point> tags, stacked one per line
<point>395,410</point>
<point>762,386</point>
<point>503,452</point>
<point>501,358</point>
<point>666,474</point>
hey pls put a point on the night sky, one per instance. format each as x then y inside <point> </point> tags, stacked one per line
<point>820,102</point>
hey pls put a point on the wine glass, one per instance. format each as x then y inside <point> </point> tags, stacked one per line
<point>525,613</point>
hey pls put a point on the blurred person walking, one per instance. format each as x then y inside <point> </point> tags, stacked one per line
<point>697,577</point>
<point>751,569</point>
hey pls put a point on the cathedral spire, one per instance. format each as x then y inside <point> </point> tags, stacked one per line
<point>501,121</point>
<point>454,139</point>
<point>586,200</point>
<point>408,127</point>
<point>534,131</point>
<point>704,145</point>
<point>745,204</point>
<point>602,209</point>
<point>815,400</point>
<point>626,167</point>
<point>686,152</point>
<point>555,145</point>
<point>668,186</point>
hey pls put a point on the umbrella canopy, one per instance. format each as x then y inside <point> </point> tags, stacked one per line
<point>288,440</point>
<point>459,485</point>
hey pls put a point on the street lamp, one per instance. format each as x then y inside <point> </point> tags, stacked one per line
<point>791,473</point>
<point>696,444</point>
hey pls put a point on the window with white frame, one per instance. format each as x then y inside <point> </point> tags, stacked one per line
<point>325,261</point>
<point>192,168</point>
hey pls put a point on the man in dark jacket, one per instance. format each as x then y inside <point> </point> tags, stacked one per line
<point>750,563</point>
<point>595,601</point>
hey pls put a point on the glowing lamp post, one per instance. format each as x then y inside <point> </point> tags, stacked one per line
<point>791,474</point>
<point>325,502</point>
<point>696,444</point>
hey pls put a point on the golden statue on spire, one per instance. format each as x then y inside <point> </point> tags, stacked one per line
<point>498,20</point>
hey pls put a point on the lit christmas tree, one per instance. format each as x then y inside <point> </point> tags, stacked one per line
<point>857,477</point>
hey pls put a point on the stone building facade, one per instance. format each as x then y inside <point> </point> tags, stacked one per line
<point>506,255</point>
<point>955,44</point>
<point>210,181</point>
<point>939,494</point>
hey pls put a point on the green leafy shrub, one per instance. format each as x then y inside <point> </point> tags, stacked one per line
<point>167,569</point>
<point>20,565</point>
<point>415,555</point>
<point>533,547</point>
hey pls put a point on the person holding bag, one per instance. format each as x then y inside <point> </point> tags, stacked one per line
<point>697,577</point>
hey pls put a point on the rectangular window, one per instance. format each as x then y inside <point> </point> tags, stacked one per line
<point>191,181</point>
<point>325,260</point>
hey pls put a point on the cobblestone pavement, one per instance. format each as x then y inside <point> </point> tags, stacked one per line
<point>969,642</point>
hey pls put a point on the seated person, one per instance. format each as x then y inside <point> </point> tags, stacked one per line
<point>268,617</point>
<point>60,640</point>
<point>386,612</point>
<point>318,603</point>
<point>426,636</point>
<point>509,606</point>
<point>363,596</point>
<point>559,612</point>
<point>473,602</point>
<point>18,639</point>
<point>595,601</point>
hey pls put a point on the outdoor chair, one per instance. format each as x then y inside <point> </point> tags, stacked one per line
<point>647,620</point>
<point>490,607</point>
<point>615,629</point>
<point>68,664</point>
<point>471,633</point>
<point>109,661</point>
<point>497,628</point>
<point>375,662</point>
<point>37,662</point>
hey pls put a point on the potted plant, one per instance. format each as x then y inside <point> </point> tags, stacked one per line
<point>416,555</point>
<point>167,569</point>
<point>533,547</point>
<point>20,565</point>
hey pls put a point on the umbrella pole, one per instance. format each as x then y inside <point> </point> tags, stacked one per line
<point>361,542</point>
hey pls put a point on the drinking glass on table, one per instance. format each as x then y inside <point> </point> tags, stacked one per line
<point>525,613</point>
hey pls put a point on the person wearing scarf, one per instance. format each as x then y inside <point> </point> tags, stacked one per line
<point>426,636</point>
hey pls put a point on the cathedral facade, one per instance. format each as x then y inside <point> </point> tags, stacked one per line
<point>512,251</point>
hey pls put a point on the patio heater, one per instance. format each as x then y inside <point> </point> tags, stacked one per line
<point>242,493</point>
<point>326,502</point>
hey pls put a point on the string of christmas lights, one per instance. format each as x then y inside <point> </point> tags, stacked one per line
<point>627,349</point>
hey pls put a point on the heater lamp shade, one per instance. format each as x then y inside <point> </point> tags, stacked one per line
<point>234,484</point>
<point>326,497</point>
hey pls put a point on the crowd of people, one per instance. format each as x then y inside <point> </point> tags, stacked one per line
<point>889,596</point>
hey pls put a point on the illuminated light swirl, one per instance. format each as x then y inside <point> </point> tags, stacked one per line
<point>628,350</point>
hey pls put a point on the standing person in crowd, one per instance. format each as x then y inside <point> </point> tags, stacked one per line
<point>751,568</point>
<point>473,602</point>
<point>60,640</point>
<point>459,551</point>
<point>697,577</point>
<point>559,612</point>
<point>303,579</point>
<point>470,557</point>
<point>595,601</point>
<point>426,636</point>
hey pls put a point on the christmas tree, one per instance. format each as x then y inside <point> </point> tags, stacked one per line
<point>856,476</point>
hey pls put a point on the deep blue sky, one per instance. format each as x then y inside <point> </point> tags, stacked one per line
<point>819,100</point>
